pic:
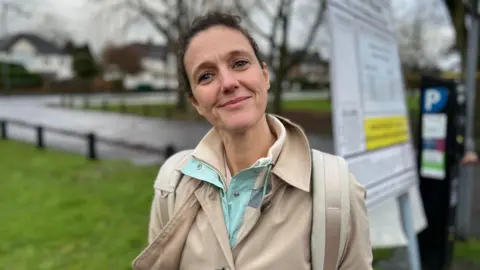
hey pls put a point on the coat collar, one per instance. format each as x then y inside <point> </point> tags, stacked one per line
<point>273,152</point>
<point>292,164</point>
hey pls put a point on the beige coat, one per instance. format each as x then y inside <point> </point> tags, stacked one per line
<point>276,238</point>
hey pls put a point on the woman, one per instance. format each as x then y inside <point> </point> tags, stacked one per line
<point>243,200</point>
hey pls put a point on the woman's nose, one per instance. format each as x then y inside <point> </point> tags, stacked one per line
<point>228,80</point>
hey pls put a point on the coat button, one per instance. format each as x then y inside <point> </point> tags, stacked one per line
<point>199,166</point>
<point>265,207</point>
<point>236,194</point>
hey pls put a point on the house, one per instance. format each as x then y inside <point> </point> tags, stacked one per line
<point>37,55</point>
<point>313,70</point>
<point>159,68</point>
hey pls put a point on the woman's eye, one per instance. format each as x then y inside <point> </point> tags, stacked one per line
<point>240,63</point>
<point>204,77</point>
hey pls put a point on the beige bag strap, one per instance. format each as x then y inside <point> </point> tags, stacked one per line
<point>331,210</point>
<point>167,182</point>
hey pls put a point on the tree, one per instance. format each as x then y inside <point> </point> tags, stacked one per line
<point>456,10</point>
<point>280,54</point>
<point>168,17</point>
<point>126,58</point>
<point>83,63</point>
<point>415,26</point>
<point>69,47</point>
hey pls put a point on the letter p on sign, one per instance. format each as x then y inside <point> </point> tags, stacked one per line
<point>434,99</point>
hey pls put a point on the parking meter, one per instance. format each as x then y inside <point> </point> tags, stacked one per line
<point>437,159</point>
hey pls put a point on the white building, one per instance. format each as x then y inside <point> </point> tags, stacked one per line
<point>159,68</point>
<point>37,55</point>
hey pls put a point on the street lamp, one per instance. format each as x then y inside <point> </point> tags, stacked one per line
<point>5,6</point>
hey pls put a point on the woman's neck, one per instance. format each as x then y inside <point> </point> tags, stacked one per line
<point>244,149</point>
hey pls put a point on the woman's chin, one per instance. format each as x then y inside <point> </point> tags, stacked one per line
<point>239,123</point>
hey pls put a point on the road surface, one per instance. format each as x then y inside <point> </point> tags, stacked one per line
<point>154,132</point>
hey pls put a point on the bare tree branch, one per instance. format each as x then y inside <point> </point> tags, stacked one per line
<point>320,15</point>
<point>155,22</point>
<point>244,12</point>
<point>414,41</point>
<point>168,17</point>
<point>281,55</point>
<point>273,34</point>
<point>261,5</point>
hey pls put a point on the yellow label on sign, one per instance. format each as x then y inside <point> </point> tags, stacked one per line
<point>386,131</point>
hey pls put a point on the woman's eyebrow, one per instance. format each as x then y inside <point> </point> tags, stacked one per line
<point>239,53</point>
<point>208,63</point>
<point>202,65</point>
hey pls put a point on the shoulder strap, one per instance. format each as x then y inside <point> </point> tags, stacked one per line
<point>167,181</point>
<point>331,209</point>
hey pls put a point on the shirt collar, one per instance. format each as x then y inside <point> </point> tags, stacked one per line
<point>292,160</point>
<point>273,152</point>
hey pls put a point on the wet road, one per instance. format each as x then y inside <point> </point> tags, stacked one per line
<point>157,133</point>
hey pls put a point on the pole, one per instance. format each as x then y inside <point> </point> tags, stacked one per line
<point>407,220</point>
<point>6,83</point>
<point>466,183</point>
<point>91,146</point>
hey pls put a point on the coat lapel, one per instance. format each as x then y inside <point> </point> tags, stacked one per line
<point>211,205</point>
<point>166,250</point>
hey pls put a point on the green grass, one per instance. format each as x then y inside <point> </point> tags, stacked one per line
<point>463,252</point>
<point>313,105</point>
<point>468,251</point>
<point>60,211</point>
<point>381,254</point>
<point>167,110</point>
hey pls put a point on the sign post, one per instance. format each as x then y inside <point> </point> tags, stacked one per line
<point>438,170</point>
<point>370,114</point>
<point>466,183</point>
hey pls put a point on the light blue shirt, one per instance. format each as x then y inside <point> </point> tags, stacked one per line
<point>240,194</point>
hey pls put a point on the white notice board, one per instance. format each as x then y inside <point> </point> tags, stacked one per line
<point>370,116</point>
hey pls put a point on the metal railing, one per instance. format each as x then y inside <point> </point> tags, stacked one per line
<point>90,138</point>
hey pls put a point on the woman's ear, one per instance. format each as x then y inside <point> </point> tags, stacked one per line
<point>266,75</point>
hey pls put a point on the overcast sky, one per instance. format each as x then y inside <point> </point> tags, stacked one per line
<point>76,18</point>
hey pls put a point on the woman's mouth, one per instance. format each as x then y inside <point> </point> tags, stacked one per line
<point>234,102</point>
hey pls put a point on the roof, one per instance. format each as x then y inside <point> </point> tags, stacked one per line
<point>312,58</point>
<point>151,50</point>
<point>43,46</point>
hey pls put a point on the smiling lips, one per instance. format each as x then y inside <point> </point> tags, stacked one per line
<point>234,102</point>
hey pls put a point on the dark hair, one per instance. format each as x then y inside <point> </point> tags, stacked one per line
<point>204,22</point>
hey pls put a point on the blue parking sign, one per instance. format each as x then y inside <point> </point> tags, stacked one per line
<point>434,99</point>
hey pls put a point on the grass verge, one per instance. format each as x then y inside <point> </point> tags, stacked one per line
<point>465,255</point>
<point>317,105</point>
<point>468,252</point>
<point>61,211</point>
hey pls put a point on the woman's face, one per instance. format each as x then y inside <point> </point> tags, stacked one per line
<point>230,87</point>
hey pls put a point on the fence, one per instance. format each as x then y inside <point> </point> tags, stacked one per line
<point>91,139</point>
